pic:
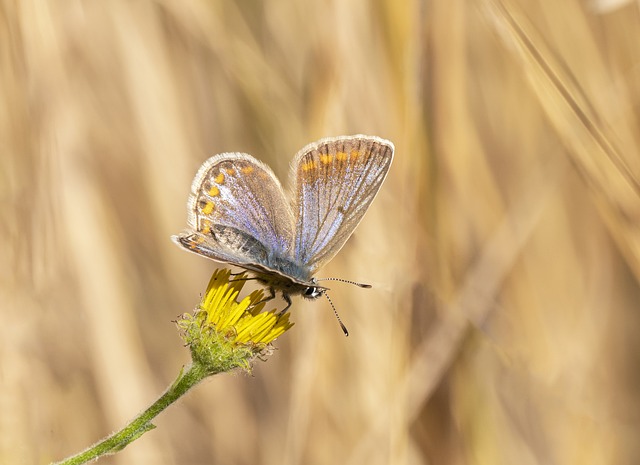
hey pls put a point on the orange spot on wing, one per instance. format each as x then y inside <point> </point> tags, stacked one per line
<point>341,156</point>
<point>231,171</point>
<point>310,165</point>
<point>326,159</point>
<point>208,208</point>
<point>355,154</point>
<point>205,228</point>
<point>247,169</point>
<point>214,191</point>
<point>219,179</point>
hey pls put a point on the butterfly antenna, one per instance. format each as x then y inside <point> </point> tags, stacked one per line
<point>335,312</point>
<point>366,286</point>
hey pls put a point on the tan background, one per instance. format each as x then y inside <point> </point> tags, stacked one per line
<point>503,249</point>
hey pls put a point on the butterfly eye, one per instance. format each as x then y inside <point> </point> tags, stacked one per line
<point>312,292</point>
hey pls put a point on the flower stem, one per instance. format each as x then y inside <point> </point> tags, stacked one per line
<point>187,378</point>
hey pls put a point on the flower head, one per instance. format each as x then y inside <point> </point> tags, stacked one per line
<point>223,333</point>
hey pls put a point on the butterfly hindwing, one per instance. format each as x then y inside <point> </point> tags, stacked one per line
<point>237,211</point>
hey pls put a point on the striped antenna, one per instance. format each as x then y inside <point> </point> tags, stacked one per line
<point>335,312</point>
<point>366,286</point>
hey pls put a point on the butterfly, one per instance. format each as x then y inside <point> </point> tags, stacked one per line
<point>238,212</point>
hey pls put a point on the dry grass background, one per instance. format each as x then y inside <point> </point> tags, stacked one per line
<point>504,247</point>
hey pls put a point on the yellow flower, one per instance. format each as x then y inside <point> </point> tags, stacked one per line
<point>223,333</point>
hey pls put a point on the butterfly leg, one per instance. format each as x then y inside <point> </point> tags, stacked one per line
<point>244,278</point>
<point>271,296</point>
<point>287,299</point>
<point>239,273</point>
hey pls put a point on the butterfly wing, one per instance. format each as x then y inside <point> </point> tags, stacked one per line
<point>335,180</point>
<point>237,212</point>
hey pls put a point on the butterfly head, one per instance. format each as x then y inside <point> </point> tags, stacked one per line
<point>313,292</point>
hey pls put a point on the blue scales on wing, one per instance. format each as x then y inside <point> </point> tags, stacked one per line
<point>335,181</point>
<point>238,213</point>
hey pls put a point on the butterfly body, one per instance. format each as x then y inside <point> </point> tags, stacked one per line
<point>238,212</point>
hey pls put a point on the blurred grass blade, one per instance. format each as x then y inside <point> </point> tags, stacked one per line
<point>584,128</point>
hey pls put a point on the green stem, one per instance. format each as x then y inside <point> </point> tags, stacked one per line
<point>142,423</point>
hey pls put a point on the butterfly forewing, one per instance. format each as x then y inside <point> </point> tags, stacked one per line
<point>335,182</point>
<point>237,211</point>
